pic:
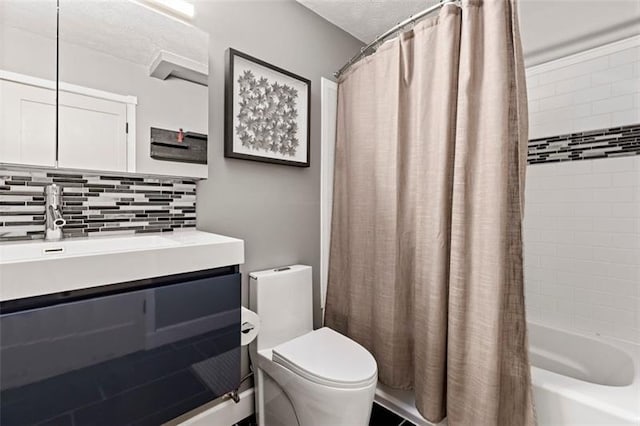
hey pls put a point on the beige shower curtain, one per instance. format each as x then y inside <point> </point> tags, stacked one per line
<point>426,249</point>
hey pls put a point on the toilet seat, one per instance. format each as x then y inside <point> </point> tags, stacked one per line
<point>328,358</point>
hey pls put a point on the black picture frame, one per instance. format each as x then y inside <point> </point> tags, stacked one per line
<point>232,104</point>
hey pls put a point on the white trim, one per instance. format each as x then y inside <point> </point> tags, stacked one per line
<point>225,413</point>
<point>328,101</point>
<point>95,93</point>
<point>22,166</point>
<point>67,87</point>
<point>27,79</point>
<point>131,138</point>
<point>596,52</point>
<point>402,403</point>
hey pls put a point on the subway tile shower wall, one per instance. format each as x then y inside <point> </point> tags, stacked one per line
<point>582,211</point>
<point>95,204</point>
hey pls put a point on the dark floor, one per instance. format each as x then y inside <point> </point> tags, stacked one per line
<point>249,421</point>
<point>380,416</point>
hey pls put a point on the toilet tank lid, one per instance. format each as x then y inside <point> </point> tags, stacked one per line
<point>277,271</point>
<point>327,357</point>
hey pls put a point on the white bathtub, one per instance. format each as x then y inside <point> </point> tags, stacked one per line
<point>580,380</point>
<point>577,380</point>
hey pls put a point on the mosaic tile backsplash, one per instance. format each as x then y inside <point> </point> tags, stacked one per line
<point>603,143</point>
<point>94,204</point>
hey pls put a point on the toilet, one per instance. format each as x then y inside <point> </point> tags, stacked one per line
<point>304,376</point>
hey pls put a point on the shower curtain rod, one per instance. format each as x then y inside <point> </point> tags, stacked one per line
<point>378,40</point>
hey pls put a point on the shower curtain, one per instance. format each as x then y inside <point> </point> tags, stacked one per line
<point>425,263</point>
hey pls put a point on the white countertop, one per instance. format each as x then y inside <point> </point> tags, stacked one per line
<point>33,268</point>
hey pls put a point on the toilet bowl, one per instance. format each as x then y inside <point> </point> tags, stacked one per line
<point>303,376</point>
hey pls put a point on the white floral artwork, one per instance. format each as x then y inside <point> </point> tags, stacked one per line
<point>267,115</point>
<point>270,114</point>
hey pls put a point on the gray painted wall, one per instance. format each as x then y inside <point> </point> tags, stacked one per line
<point>274,208</point>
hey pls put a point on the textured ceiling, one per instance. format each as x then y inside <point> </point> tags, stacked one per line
<point>366,19</point>
<point>550,28</point>
<point>121,28</point>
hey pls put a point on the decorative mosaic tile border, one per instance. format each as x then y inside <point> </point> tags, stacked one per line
<point>603,143</point>
<point>94,204</point>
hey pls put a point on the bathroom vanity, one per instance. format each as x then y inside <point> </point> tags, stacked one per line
<point>103,130</point>
<point>118,330</point>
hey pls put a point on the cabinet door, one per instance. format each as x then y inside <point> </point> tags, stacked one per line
<point>92,133</point>
<point>143,356</point>
<point>27,124</point>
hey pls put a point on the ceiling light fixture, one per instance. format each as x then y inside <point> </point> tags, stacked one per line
<point>179,8</point>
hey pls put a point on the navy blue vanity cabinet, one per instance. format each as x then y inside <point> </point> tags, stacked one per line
<point>137,353</point>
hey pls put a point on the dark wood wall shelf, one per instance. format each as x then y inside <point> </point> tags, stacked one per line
<point>166,147</point>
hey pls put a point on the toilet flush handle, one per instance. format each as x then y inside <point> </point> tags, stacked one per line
<point>246,327</point>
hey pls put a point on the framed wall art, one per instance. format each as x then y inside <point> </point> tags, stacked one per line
<point>267,112</point>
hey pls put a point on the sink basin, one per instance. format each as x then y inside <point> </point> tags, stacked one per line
<point>68,248</point>
<point>36,268</point>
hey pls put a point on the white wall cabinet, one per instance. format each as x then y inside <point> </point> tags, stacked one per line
<point>27,124</point>
<point>93,128</point>
<point>96,129</point>
<point>92,133</point>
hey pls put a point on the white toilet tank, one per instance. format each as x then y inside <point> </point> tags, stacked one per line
<point>283,298</point>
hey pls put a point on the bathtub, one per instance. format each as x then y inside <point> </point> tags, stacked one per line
<point>577,380</point>
<point>580,380</point>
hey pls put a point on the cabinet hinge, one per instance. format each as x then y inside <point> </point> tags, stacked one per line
<point>126,128</point>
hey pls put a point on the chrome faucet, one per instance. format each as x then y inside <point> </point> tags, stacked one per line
<point>54,219</point>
